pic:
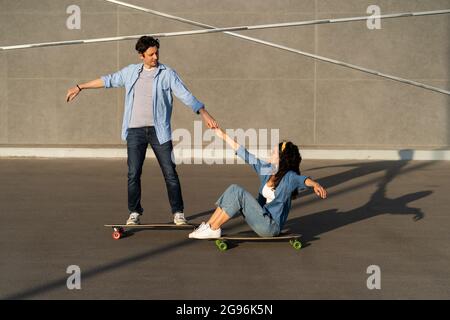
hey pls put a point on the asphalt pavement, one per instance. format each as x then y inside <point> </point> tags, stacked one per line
<point>383,233</point>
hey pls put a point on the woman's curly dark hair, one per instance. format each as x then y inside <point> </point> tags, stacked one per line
<point>289,160</point>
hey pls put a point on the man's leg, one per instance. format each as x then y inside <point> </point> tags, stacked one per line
<point>136,149</point>
<point>163,153</point>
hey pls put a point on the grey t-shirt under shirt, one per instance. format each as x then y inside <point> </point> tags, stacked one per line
<point>142,114</point>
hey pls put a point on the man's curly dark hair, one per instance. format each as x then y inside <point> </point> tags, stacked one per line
<point>146,42</point>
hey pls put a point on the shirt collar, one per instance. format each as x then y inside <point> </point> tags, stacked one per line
<point>158,68</point>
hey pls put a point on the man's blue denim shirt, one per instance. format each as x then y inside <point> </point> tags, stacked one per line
<point>165,82</point>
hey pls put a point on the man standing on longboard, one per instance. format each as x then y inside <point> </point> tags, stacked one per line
<point>146,120</point>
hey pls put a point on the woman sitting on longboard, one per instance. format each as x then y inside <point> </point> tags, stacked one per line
<point>280,180</point>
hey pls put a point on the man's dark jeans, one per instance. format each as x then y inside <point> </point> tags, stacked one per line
<point>138,140</point>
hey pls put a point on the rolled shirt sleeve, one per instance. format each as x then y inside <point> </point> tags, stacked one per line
<point>114,80</point>
<point>300,181</point>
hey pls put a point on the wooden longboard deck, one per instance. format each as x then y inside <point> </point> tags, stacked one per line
<point>152,225</point>
<point>257,238</point>
<point>120,230</point>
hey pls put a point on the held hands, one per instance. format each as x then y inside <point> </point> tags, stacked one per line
<point>72,93</point>
<point>209,121</point>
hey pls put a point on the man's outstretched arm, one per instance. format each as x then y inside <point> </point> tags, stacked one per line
<point>74,91</point>
<point>182,93</point>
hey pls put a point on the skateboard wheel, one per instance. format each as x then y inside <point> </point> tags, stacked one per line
<point>222,246</point>
<point>296,244</point>
<point>218,242</point>
<point>116,235</point>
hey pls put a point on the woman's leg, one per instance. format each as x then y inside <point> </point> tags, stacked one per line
<point>212,228</point>
<point>227,206</point>
<point>236,200</point>
<point>218,218</point>
<point>233,201</point>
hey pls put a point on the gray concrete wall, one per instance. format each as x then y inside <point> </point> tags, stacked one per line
<point>243,84</point>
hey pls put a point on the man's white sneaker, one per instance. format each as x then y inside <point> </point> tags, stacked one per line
<point>204,231</point>
<point>133,219</point>
<point>179,219</point>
